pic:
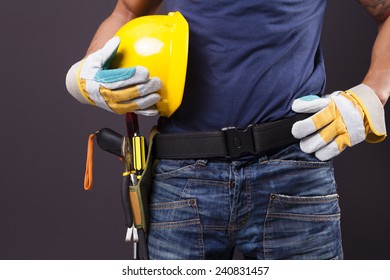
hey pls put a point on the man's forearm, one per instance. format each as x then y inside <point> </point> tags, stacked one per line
<point>106,31</point>
<point>124,11</point>
<point>379,9</point>
<point>378,76</point>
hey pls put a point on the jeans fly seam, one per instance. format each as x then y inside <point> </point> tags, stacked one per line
<point>201,243</point>
<point>248,203</point>
<point>266,230</point>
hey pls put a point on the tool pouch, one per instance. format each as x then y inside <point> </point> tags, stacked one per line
<point>139,194</point>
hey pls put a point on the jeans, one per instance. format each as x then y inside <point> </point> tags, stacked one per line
<point>280,206</point>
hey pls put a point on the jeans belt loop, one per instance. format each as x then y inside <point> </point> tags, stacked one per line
<point>239,141</point>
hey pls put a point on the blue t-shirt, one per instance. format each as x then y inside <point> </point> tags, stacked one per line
<point>248,60</point>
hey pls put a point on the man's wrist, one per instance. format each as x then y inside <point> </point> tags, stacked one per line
<point>379,82</point>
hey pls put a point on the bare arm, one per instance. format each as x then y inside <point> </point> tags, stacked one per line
<point>378,76</point>
<point>125,10</point>
<point>379,9</point>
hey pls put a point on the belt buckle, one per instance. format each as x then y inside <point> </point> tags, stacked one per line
<point>239,141</point>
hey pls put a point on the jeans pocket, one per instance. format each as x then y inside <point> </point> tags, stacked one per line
<point>165,168</point>
<point>302,227</point>
<point>293,155</point>
<point>175,225</point>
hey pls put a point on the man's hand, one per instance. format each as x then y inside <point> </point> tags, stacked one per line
<point>340,119</point>
<point>116,90</point>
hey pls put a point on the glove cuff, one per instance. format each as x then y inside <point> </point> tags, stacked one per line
<point>72,82</point>
<point>373,110</point>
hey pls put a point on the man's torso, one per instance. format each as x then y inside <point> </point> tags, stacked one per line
<point>248,60</point>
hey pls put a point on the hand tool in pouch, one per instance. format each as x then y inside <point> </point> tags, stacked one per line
<point>114,143</point>
<point>138,164</point>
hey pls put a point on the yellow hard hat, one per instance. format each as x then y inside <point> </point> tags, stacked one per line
<point>159,43</point>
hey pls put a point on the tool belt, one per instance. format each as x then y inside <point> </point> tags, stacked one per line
<point>227,143</point>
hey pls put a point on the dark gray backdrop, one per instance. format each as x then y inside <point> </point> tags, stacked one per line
<point>44,211</point>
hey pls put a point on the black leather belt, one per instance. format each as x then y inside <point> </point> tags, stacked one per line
<point>228,143</point>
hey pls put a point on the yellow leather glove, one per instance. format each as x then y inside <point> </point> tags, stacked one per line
<point>340,120</point>
<point>116,90</point>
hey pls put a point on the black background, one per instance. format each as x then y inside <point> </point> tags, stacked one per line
<point>44,211</point>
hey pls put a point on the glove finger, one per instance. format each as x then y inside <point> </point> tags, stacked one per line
<point>312,143</point>
<point>309,104</point>
<point>152,85</point>
<point>147,101</point>
<point>122,77</point>
<point>135,104</point>
<point>123,108</point>
<point>303,128</point>
<point>128,93</point>
<point>149,112</point>
<point>104,56</point>
<point>329,151</point>
<point>319,120</point>
<point>334,148</point>
<point>324,136</point>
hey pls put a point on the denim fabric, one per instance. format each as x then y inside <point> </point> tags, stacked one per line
<point>280,206</point>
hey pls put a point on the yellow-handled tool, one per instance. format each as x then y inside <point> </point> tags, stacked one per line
<point>139,155</point>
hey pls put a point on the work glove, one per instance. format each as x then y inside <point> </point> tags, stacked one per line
<point>119,90</point>
<point>341,119</point>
